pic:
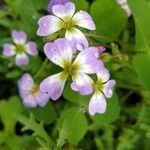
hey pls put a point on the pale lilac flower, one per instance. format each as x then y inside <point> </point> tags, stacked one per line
<point>55,2</point>
<point>60,52</point>
<point>125,6</point>
<point>66,19</point>
<point>102,88</point>
<point>30,92</point>
<point>20,48</point>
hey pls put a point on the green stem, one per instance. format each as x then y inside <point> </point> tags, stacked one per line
<point>98,36</point>
<point>127,96</point>
<point>130,87</point>
<point>41,69</point>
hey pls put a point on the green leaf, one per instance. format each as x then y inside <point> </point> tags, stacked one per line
<point>7,108</point>
<point>111,114</point>
<point>31,124</point>
<point>19,143</point>
<point>81,4</point>
<point>45,114</point>
<point>140,10</point>
<point>141,64</point>
<point>74,125</point>
<point>27,19</point>
<point>110,19</point>
<point>13,74</point>
<point>3,136</point>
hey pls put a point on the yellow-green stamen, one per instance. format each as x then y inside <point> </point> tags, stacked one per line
<point>68,23</point>
<point>34,88</point>
<point>98,86</point>
<point>20,48</point>
<point>69,69</point>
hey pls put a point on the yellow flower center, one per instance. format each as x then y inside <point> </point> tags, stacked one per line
<point>70,69</point>
<point>20,48</point>
<point>68,23</point>
<point>98,86</point>
<point>34,89</point>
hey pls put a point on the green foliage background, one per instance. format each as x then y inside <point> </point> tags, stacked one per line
<point>65,124</point>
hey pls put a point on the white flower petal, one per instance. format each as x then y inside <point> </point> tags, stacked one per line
<point>31,48</point>
<point>97,104</point>
<point>21,59</point>
<point>53,85</point>
<point>59,51</point>
<point>84,20</point>
<point>103,75</point>
<point>42,98</point>
<point>19,37</point>
<point>127,10</point>
<point>24,84</point>
<point>48,25</point>
<point>76,37</point>
<point>88,60</point>
<point>121,2</point>
<point>8,50</point>
<point>30,101</point>
<point>108,88</point>
<point>64,11</point>
<point>82,83</point>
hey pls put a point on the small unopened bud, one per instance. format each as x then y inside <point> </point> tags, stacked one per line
<point>125,57</point>
<point>116,66</point>
<point>114,48</point>
<point>105,57</point>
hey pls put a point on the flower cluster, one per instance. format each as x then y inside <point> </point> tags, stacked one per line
<point>125,6</point>
<point>78,61</point>
<point>75,64</point>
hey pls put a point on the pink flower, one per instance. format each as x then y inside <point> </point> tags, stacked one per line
<point>30,92</point>
<point>65,18</point>
<point>102,89</point>
<point>20,48</point>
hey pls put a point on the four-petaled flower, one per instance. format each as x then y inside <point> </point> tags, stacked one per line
<point>66,19</point>
<point>102,88</point>
<point>55,2</point>
<point>30,92</point>
<point>20,48</point>
<point>60,52</point>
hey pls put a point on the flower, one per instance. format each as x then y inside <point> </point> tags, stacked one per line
<point>125,6</point>
<point>20,48</point>
<point>66,19</point>
<point>60,52</point>
<point>56,2</point>
<point>102,88</point>
<point>30,92</point>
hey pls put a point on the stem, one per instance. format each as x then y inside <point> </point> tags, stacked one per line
<point>127,96</point>
<point>98,36</point>
<point>103,38</point>
<point>43,66</point>
<point>135,88</point>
